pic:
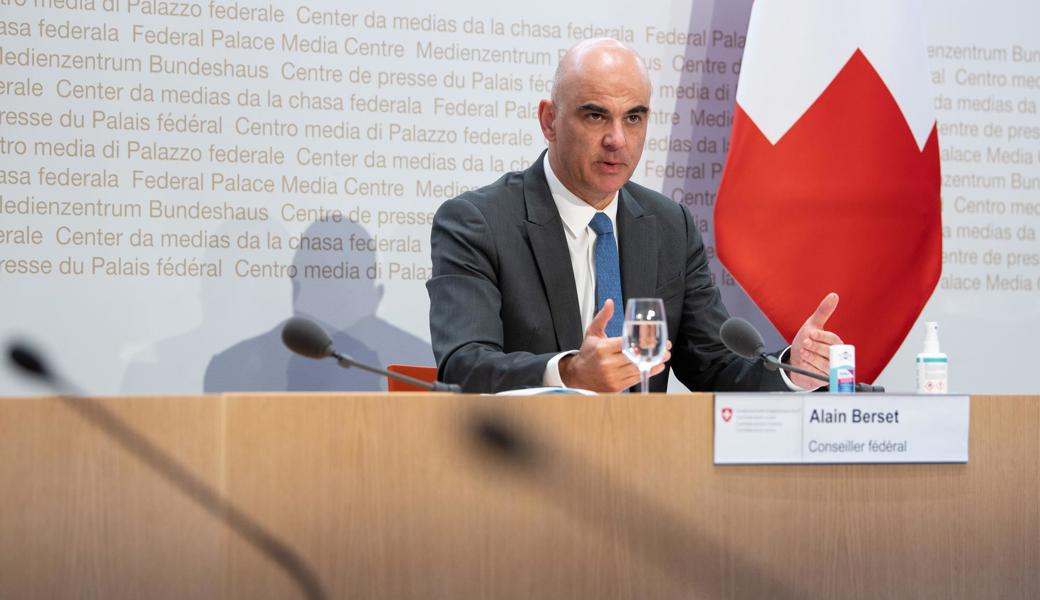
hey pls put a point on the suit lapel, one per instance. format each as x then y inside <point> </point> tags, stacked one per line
<point>549,246</point>
<point>637,245</point>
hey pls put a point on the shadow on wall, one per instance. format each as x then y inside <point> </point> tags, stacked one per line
<point>227,306</point>
<point>344,303</point>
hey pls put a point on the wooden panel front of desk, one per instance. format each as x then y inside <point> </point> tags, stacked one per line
<point>432,496</point>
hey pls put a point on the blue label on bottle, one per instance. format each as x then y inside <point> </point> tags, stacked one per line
<point>843,379</point>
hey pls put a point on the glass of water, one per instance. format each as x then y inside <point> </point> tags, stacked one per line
<point>645,336</point>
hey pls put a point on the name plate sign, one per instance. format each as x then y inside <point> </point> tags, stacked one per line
<point>839,428</point>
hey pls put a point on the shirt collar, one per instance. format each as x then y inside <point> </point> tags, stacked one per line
<point>575,212</point>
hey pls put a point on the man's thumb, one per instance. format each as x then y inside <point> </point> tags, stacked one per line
<point>598,326</point>
<point>824,310</point>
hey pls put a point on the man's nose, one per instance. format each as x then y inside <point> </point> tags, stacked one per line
<point>615,137</point>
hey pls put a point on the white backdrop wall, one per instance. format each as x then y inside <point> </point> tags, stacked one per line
<point>178,178</point>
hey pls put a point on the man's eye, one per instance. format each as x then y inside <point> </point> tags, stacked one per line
<point>634,119</point>
<point>594,117</point>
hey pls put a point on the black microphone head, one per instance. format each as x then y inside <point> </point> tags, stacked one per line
<point>28,361</point>
<point>502,440</point>
<point>742,338</point>
<point>306,338</point>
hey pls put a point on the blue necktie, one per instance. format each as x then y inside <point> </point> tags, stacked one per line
<point>608,272</point>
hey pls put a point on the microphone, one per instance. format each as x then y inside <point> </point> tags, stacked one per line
<point>652,530</point>
<point>29,362</point>
<point>307,338</point>
<point>743,339</point>
<point>173,472</point>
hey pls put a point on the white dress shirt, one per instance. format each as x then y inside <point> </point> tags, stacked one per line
<point>581,239</point>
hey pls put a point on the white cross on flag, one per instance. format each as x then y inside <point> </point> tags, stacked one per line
<point>832,178</point>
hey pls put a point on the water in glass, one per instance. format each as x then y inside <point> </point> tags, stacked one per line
<point>645,336</point>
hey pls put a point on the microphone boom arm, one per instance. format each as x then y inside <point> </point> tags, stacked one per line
<point>436,386</point>
<point>775,363</point>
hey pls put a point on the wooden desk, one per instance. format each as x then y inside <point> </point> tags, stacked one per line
<point>395,496</point>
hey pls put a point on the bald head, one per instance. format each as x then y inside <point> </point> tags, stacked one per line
<point>595,123</point>
<point>595,55</point>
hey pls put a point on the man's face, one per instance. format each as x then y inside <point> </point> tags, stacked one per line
<point>597,126</point>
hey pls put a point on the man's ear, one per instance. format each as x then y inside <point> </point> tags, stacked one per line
<point>547,119</point>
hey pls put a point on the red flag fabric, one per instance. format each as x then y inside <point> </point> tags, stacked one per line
<point>835,189</point>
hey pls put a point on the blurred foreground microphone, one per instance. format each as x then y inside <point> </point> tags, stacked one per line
<point>184,480</point>
<point>742,338</point>
<point>307,338</point>
<point>29,362</point>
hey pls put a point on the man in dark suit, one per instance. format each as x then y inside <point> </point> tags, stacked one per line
<point>514,277</point>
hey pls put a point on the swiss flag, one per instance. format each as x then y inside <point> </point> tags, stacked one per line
<point>832,178</point>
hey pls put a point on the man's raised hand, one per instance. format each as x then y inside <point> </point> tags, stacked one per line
<point>599,364</point>
<point>811,346</point>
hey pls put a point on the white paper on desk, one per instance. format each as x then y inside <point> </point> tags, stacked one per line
<point>546,390</point>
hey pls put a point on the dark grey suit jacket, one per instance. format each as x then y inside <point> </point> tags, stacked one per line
<point>503,299</point>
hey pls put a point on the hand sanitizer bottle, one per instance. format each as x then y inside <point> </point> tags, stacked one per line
<point>843,368</point>
<point>931,364</point>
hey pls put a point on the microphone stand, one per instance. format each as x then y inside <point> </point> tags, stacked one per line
<point>773,363</point>
<point>437,386</point>
<point>306,338</point>
<point>173,472</point>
